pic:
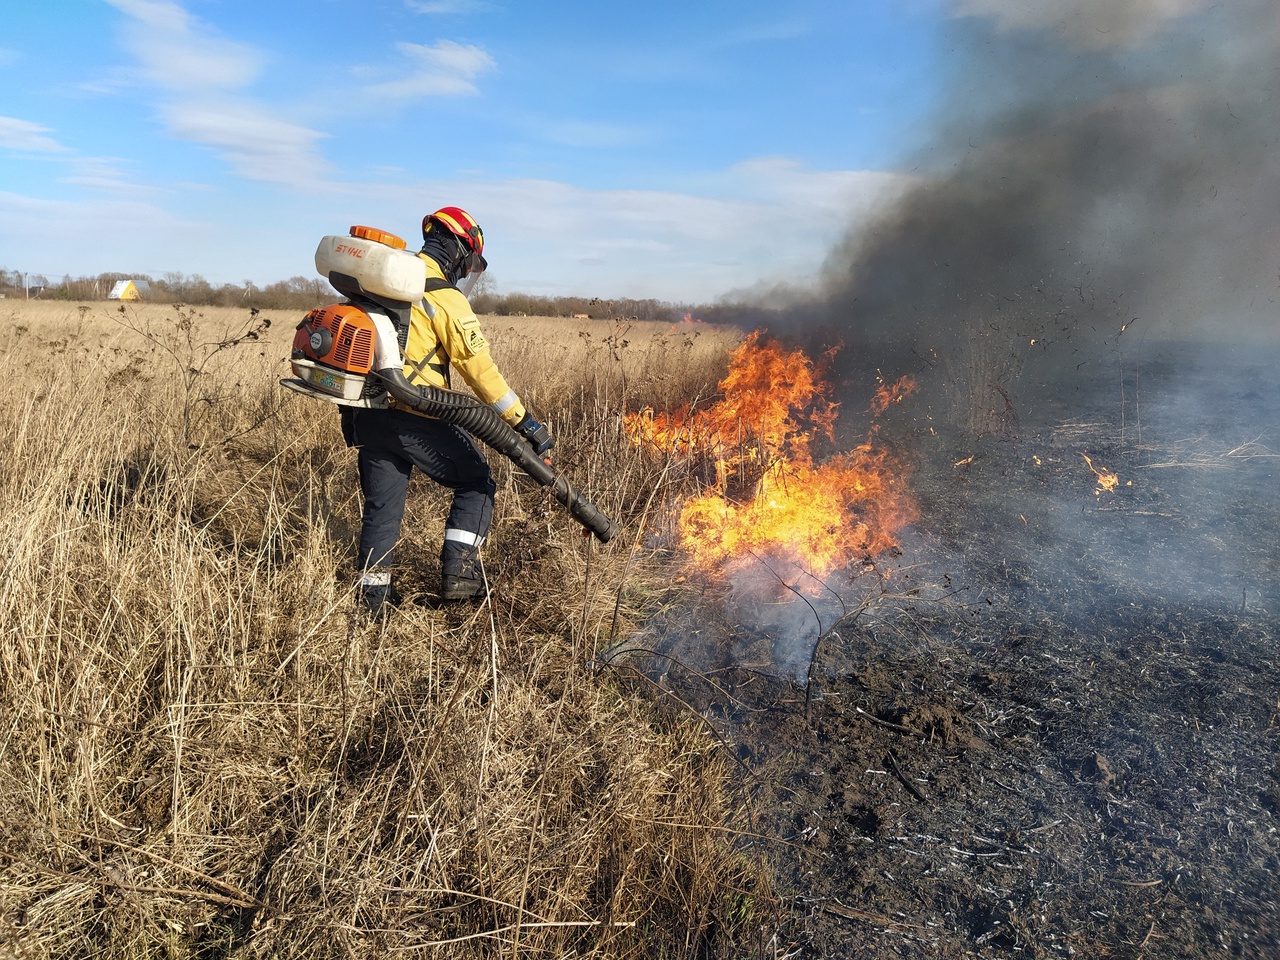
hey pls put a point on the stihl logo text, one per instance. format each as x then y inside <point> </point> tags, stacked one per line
<point>350,251</point>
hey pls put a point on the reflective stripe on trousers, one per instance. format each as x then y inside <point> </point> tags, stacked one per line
<point>464,537</point>
<point>391,444</point>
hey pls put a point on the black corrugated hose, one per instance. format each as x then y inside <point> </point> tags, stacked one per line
<point>484,423</point>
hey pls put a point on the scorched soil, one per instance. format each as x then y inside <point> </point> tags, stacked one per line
<point>1048,726</point>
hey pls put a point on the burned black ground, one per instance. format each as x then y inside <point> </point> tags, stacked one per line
<point>1049,727</point>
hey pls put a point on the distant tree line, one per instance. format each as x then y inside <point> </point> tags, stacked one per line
<point>303,293</point>
<point>527,305</point>
<point>297,293</point>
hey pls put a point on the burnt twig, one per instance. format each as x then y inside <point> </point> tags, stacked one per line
<point>897,727</point>
<point>891,762</point>
<point>848,913</point>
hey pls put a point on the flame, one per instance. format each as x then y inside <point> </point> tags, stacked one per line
<point>762,495</point>
<point>1107,481</point>
<point>895,392</point>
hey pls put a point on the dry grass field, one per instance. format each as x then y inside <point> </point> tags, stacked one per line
<point>205,753</point>
<point>1043,725</point>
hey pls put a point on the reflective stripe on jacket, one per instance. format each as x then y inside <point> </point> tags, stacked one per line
<point>447,335</point>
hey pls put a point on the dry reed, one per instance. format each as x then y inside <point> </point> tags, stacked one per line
<point>206,753</point>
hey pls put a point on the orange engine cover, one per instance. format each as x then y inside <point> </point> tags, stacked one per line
<point>339,335</point>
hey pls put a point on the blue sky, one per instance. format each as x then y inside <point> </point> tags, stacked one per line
<point>663,149</point>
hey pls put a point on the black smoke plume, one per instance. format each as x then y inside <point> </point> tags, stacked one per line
<point>1101,170</point>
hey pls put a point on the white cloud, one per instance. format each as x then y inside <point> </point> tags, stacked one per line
<point>770,219</point>
<point>450,6</point>
<point>775,32</point>
<point>104,175</point>
<point>758,222</point>
<point>584,133</point>
<point>23,136</point>
<point>201,76</point>
<point>177,52</point>
<point>160,14</point>
<point>442,70</point>
<point>258,144</point>
<point>1091,24</point>
<point>97,173</point>
<point>826,196</point>
<point>88,236</point>
<point>48,236</point>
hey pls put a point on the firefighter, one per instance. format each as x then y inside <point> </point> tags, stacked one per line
<point>444,333</point>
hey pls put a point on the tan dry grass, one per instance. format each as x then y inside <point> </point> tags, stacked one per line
<point>632,363</point>
<point>205,754</point>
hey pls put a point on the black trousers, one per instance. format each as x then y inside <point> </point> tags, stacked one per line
<point>391,444</point>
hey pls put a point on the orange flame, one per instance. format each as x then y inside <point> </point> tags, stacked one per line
<point>896,392</point>
<point>763,496</point>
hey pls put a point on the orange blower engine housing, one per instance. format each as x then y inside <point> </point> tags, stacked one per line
<point>333,351</point>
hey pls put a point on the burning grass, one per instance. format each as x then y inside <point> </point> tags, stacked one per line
<point>761,495</point>
<point>206,755</point>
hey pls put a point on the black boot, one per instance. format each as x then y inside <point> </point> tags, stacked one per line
<point>378,597</point>
<point>462,580</point>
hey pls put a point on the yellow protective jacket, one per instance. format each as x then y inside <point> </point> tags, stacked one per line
<point>444,331</point>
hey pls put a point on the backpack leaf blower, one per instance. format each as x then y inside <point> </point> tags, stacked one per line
<point>350,354</point>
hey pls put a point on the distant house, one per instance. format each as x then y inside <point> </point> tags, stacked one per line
<point>129,290</point>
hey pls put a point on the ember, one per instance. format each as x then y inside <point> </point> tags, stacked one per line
<point>1107,481</point>
<point>895,392</point>
<point>763,495</point>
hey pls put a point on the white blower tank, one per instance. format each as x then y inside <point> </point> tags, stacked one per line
<point>377,260</point>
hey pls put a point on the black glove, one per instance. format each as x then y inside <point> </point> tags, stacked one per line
<point>535,433</point>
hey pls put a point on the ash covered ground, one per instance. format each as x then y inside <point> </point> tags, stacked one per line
<point>1052,730</point>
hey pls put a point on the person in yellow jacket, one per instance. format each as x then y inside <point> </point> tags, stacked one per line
<point>444,334</point>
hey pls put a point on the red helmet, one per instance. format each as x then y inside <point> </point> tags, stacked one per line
<point>458,222</point>
<point>469,262</point>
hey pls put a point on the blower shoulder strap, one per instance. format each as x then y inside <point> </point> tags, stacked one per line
<point>430,286</point>
<point>401,318</point>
